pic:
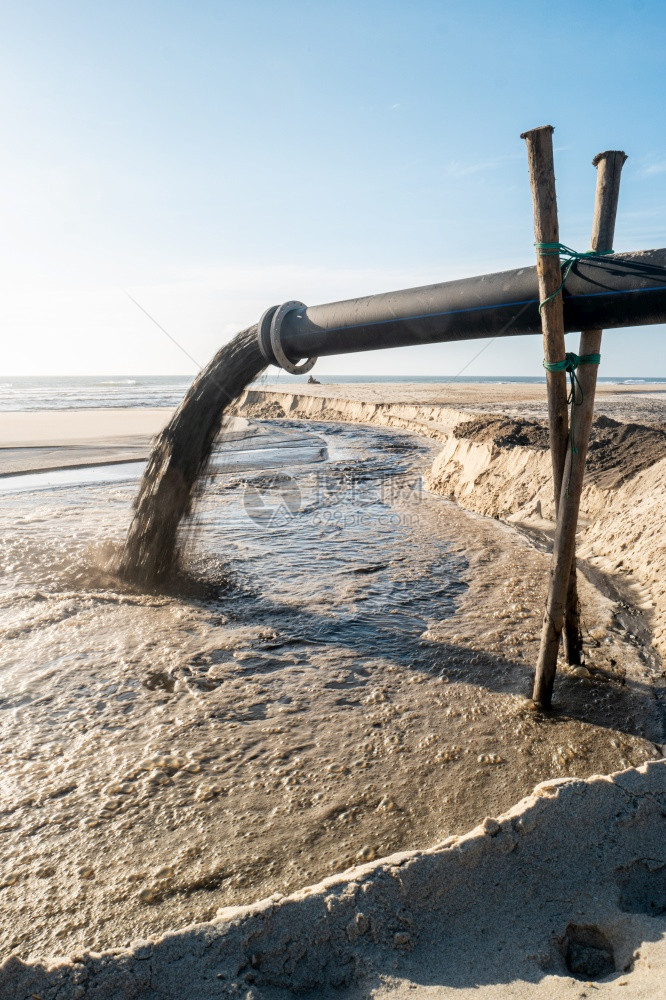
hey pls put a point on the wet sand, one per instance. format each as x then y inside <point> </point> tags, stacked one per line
<point>559,899</point>
<point>56,439</point>
<point>272,725</point>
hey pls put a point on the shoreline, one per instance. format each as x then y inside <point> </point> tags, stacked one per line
<point>48,439</point>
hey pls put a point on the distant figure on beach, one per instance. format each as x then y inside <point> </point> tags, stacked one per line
<point>313,381</point>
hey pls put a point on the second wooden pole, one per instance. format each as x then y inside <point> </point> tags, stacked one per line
<point>609,166</point>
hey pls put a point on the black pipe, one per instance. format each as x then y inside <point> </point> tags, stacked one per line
<point>603,292</point>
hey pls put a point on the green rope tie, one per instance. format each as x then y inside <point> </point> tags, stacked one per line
<point>568,258</point>
<point>570,363</point>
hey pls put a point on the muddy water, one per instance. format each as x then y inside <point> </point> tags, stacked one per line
<point>174,474</point>
<point>347,680</point>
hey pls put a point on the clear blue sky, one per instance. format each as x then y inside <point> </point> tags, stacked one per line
<point>214,158</point>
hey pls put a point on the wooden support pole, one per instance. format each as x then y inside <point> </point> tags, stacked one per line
<point>609,166</point>
<point>546,230</point>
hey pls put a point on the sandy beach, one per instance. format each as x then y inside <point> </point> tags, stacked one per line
<point>362,695</point>
<point>50,439</point>
<point>56,439</point>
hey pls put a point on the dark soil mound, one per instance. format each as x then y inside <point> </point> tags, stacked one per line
<point>617,451</point>
<point>505,432</point>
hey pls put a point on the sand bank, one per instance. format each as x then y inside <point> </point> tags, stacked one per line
<point>645,402</point>
<point>564,896</point>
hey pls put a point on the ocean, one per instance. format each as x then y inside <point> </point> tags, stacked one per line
<point>92,392</point>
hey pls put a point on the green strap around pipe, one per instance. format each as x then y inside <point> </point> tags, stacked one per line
<point>568,257</point>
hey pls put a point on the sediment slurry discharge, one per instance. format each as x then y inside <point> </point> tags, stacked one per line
<point>179,458</point>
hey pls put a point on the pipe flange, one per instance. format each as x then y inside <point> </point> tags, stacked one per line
<point>280,357</point>
<point>264,335</point>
